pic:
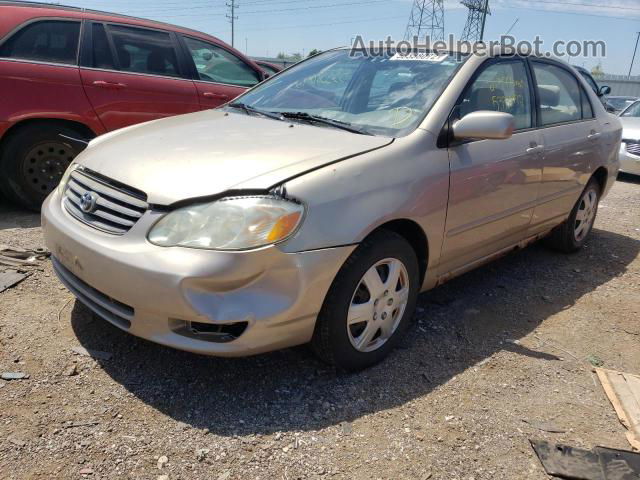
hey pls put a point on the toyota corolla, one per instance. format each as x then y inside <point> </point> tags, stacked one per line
<point>315,207</point>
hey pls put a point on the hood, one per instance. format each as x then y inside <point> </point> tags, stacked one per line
<point>630,128</point>
<point>209,152</point>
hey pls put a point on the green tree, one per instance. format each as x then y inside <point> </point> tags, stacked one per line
<point>313,52</point>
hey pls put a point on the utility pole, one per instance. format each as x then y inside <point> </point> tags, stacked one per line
<point>476,20</point>
<point>232,18</point>
<point>634,54</point>
<point>484,19</point>
<point>427,16</point>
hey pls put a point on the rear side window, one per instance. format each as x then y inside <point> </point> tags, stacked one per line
<point>101,56</point>
<point>559,94</point>
<point>502,87</point>
<point>214,64</point>
<point>54,41</point>
<point>144,51</point>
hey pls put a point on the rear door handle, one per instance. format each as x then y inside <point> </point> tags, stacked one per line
<point>535,149</point>
<point>109,85</point>
<point>594,135</point>
<point>221,96</point>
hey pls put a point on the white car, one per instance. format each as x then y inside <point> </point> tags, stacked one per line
<point>630,147</point>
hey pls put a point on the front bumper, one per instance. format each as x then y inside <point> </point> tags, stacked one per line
<point>153,292</point>
<point>629,163</point>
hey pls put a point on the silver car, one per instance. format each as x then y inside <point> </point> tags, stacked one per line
<point>630,147</point>
<point>318,205</point>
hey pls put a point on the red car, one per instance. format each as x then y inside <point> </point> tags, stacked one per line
<point>269,68</point>
<point>70,72</point>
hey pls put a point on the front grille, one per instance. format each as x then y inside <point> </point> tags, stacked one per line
<point>104,306</point>
<point>633,147</point>
<point>117,208</point>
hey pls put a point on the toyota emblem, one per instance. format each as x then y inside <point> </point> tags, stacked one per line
<point>88,202</point>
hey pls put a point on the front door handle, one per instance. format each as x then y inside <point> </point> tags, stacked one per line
<point>221,96</point>
<point>109,85</point>
<point>594,135</point>
<point>535,149</point>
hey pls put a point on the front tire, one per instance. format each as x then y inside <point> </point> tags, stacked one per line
<point>32,162</point>
<point>370,303</point>
<point>572,234</point>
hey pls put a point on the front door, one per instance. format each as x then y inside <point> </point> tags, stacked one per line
<point>132,75</point>
<point>220,76</point>
<point>493,183</point>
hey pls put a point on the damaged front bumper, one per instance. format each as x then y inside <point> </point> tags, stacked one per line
<point>203,301</point>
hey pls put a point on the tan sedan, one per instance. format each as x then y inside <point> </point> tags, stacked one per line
<point>320,203</point>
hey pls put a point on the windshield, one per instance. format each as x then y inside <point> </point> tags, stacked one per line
<point>632,111</point>
<point>383,95</point>
<point>620,103</point>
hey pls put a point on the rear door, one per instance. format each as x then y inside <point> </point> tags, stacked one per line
<point>570,135</point>
<point>39,72</point>
<point>133,75</point>
<point>219,74</point>
<point>493,183</point>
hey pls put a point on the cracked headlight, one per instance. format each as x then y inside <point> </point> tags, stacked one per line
<point>232,223</point>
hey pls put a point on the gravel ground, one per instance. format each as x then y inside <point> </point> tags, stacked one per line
<point>494,358</point>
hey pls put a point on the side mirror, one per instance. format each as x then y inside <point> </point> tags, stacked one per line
<point>604,90</point>
<point>484,125</point>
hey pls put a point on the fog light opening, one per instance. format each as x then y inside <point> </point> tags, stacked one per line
<point>210,332</point>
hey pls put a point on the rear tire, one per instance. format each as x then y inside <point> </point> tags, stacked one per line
<point>32,162</point>
<point>572,234</point>
<point>370,303</point>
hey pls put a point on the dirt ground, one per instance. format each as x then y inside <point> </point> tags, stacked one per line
<point>494,358</point>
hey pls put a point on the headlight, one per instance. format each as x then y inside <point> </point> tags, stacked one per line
<point>65,177</point>
<point>234,223</point>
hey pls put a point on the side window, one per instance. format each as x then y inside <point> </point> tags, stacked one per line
<point>54,41</point>
<point>587,110</point>
<point>144,51</point>
<point>214,64</point>
<point>101,56</point>
<point>502,87</point>
<point>559,94</point>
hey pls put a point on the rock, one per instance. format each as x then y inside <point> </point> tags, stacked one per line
<point>224,475</point>
<point>18,442</point>
<point>70,370</point>
<point>86,471</point>
<point>202,453</point>
<point>8,376</point>
<point>162,461</point>
<point>163,477</point>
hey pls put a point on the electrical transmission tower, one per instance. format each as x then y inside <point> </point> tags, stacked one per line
<point>232,18</point>
<point>427,18</point>
<point>476,20</point>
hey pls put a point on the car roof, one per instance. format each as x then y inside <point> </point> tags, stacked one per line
<point>48,9</point>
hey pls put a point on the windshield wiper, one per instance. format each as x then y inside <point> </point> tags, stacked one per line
<point>326,121</point>
<point>249,109</point>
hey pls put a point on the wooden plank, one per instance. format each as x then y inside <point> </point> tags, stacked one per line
<point>623,391</point>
